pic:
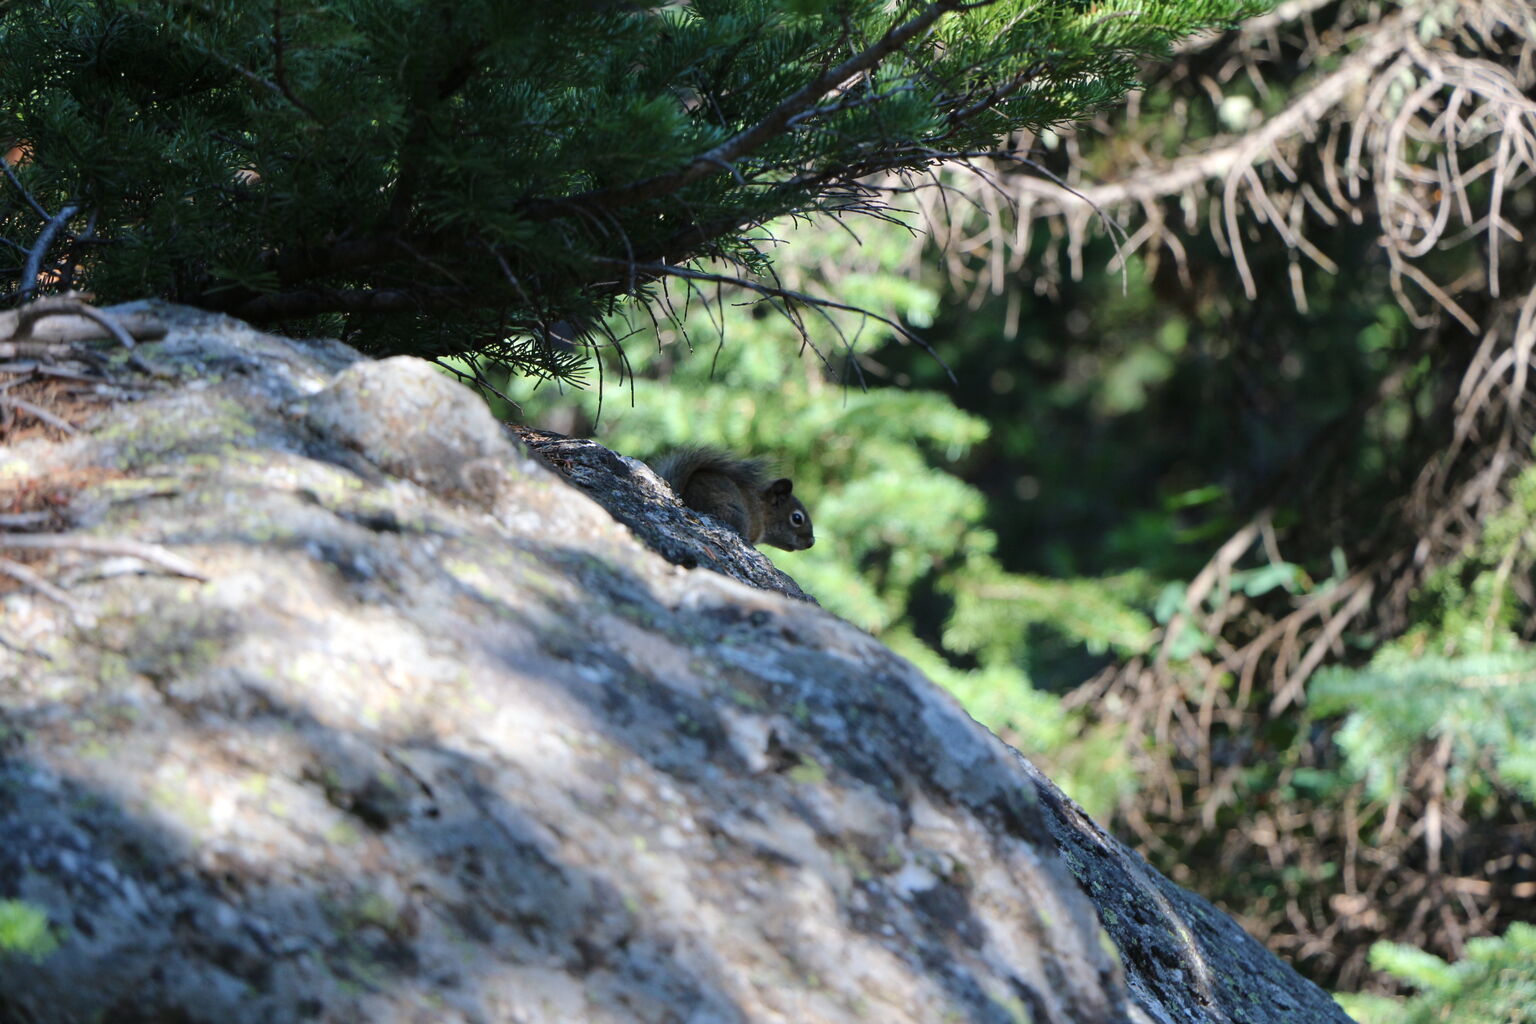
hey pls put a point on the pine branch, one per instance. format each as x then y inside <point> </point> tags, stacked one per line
<point>32,269</point>
<point>723,156</point>
<point>318,301</point>
<point>27,197</point>
<point>653,271</point>
<point>412,184</point>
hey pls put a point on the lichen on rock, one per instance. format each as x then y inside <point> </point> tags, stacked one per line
<point>430,735</point>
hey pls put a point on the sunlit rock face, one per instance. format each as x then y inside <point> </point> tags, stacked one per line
<point>339,703</point>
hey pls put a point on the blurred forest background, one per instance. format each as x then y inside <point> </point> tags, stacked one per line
<point>1191,448</point>
<point>1214,494</point>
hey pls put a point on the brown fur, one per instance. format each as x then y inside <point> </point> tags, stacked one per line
<point>739,494</point>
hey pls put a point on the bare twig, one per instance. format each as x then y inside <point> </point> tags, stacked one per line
<point>34,349</point>
<point>27,197</point>
<point>57,318</point>
<point>26,319</point>
<point>1428,144</point>
<point>60,305</point>
<point>39,369</point>
<point>32,269</point>
<point>38,412</point>
<point>770,291</point>
<point>150,553</point>
<point>26,577</point>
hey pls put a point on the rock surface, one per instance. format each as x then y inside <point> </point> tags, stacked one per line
<point>395,724</point>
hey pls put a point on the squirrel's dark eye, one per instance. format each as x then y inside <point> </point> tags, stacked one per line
<point>797,518</point>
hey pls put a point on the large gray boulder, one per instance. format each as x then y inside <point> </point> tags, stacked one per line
<point>322,698</point>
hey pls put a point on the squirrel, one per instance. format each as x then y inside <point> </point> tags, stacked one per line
<point>739,494</point>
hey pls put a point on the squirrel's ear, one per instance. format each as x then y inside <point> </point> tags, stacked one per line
<point>780,487</point>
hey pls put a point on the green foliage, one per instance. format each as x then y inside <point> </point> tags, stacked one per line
<point>1461,676</point>
<point>1237,469</point>
<point>24,931</point>
<point>993,608</point>
<point>1479,704</point>
<point>901,540</point>
<point>1494,982</point>
<point>466,175</point>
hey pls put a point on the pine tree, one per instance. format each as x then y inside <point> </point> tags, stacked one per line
<point>493,176</point>
<point>1495,981</point>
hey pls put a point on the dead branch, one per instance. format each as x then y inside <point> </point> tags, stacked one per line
<point>1428,143</point>
<point>38,412</point>
<point>150,553</point>
<point>651,271</point>
<point>32,268</point>
<point>85,322</point>
<point>51,324</point>
<point>27,578</point>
